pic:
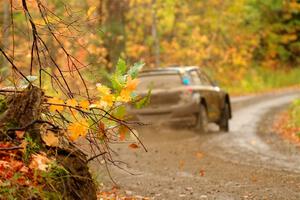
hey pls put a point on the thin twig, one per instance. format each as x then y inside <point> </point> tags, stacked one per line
<point>95,156</point>
<point>10,148</point>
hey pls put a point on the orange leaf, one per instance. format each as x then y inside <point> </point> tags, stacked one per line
<point>202,172</point>
<point>74,136</point>
<point>254,178</point>
<point>199,155</point>
<point>20,134</point>
<point>122,136</point>
<point>181,164</point>
<point>122,133</point>
<point>134,146</point>
<point>101,129</point>
<point>131,84</point>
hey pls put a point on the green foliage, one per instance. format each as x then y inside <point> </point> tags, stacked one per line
<point>120,112</point>
<point>133,71</point>
<point>56,171</point>
<point>121,67</point>
<point>117,81</point>
<point>117,78</point>
<point>3,106</point>
<point>144,101</point>
<point>294,113</point>
<point>259,79</point>
<point>31,147</point>
<point>280,35</point>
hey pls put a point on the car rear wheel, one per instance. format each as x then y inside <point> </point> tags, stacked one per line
<point>202,120</point>
<point>224,121</point>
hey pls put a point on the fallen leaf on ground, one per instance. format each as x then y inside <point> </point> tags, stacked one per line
<point>50,139</point>
<point>134,146</point>
<point>199,155</point>
<point>181,164</point>
<point>39,161</point>
<point>202,172</point>
<point>253,178</point>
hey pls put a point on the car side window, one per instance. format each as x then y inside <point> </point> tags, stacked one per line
<point>204,79</point>
<point>195,78</point>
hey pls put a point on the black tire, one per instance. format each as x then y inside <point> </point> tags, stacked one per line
<point>202,120</point>
<point>224,121</point>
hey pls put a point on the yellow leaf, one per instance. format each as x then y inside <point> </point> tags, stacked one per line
<point>103,89</point>
<point>72,102</point>
<point>58,104</point>
<point>84,104</point>
<point>124,95</point>
<point>50,139</point>
<point>91,10</point>
<point>78,128</point>
<point>109,99</point>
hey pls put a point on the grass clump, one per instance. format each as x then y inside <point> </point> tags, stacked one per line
<point>257,80</point>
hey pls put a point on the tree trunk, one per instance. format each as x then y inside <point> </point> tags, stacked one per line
<point>112,19</point>
<point>22,110</point>
<point>155,37</point>
<point>5,38</point>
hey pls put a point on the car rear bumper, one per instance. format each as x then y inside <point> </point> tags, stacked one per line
<point>176,114</point>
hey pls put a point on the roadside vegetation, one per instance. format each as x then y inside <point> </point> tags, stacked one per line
<point>259,80</point>
<point>249,46</point>
<point>288,123</point>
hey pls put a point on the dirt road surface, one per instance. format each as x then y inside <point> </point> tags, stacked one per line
<point>249,162</point>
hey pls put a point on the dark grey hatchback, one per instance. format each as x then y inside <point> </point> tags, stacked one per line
<point>183,95</point>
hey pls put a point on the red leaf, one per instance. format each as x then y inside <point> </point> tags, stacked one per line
<point>134,146</point>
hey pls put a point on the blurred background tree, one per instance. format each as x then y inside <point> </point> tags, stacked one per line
<point>244,39</point>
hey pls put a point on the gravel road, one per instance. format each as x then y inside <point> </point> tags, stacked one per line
<point>249,162</point>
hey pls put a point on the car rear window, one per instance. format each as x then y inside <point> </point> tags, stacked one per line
<point>159,81</point>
